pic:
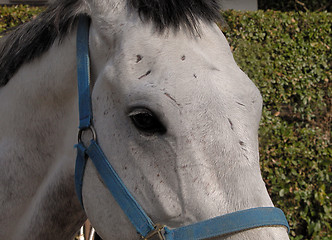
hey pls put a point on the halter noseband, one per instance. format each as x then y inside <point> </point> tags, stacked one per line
<point>219,226</point>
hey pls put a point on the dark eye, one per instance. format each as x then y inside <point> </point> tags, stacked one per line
<point>146,121</point>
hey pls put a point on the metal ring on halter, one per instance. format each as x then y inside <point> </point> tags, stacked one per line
<point>91,129</point>
<point>157,232</point>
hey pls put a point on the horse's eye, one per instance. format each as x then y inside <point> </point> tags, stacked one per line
<point>146,121</point>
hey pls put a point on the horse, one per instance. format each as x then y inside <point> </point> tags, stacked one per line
<point>172,112</point>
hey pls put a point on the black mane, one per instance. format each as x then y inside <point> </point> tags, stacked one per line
<point>32,39</point>
<point>176,13</point>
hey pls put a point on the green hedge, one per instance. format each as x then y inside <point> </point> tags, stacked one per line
<point>295,5</point>
<point>15,15</point>
<point>288,56</point>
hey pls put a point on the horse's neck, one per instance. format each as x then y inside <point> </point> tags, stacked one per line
<point>38,109</point>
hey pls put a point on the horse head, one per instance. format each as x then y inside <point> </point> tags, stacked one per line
<point>173,119</point>
<point>175,116</point>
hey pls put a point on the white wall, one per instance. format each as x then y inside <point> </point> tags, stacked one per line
<point>240,4</point>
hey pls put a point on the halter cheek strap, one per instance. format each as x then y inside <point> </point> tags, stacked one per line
<point>219,226</point>
<point>119,191</point>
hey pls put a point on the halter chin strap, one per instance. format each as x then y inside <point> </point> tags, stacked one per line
<point>219,226</point>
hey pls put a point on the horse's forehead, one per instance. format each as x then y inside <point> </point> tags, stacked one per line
<point>183,66</point>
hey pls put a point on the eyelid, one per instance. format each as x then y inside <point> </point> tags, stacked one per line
<point>140,111</point>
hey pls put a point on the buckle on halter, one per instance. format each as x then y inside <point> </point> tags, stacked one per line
<point>156,233</point>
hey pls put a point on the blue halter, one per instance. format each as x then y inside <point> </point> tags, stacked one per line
<point>222,225</point>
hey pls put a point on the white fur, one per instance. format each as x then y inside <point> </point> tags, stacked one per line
<point>197,170</point>
<point>38,124</point>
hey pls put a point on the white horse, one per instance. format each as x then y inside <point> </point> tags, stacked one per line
<point>173,113</point>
